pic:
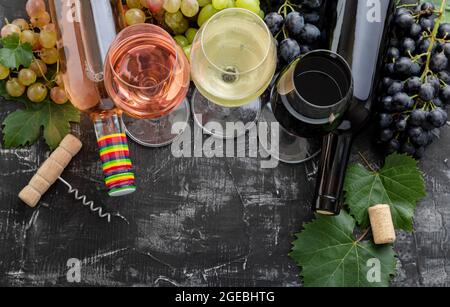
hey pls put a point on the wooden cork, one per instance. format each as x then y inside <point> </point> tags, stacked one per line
<point>382,225</point>
<point>50,171</point>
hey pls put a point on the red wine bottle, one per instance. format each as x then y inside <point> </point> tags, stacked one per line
<point>357,31</point>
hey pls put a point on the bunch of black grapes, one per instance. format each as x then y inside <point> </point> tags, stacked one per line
<point>415,87</point>
<point>296,24</point>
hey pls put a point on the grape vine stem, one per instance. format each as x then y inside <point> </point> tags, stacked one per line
<point>364,235</point>
<point>367,162</point>
<point>433,39</point>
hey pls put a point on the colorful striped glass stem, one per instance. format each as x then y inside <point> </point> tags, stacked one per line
<point>115,156</point>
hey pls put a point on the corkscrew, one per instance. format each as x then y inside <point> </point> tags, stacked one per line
<point>89,203</point>
<point>52,170</point>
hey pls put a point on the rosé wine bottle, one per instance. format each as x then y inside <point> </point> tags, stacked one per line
<point>85,31</point>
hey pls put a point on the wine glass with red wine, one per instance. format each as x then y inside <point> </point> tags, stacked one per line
<point>308,101</point>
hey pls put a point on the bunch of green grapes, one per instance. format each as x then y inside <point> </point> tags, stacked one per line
<point>41,34</point>
<point>182,18</point>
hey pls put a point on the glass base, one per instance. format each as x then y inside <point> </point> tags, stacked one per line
<point>158,132</point>
<point>213,118</point>
<point>292,149</point>
<point>122,191</point>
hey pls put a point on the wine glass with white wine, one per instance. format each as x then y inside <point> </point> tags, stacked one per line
<point>233,60</point>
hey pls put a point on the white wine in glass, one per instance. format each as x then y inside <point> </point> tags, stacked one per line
<point>233,60</point>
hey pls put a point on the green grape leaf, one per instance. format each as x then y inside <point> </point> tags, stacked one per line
<point>56,122</point>
<point>15,54</point>
<point>11,41</point>
<point>23,127</point>
<point>399,184</point>
<point>330,256</point>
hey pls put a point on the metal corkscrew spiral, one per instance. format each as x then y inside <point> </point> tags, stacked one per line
<point>52,170</point>
<point>83,198</point>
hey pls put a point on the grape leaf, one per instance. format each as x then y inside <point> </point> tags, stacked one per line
<point>56,122</point>
<point>15,54</point>
<point>11,41</point>
<point>399,184</point>
<point>23,126</point>
<point>329,256</point>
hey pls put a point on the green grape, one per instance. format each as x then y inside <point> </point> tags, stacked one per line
<point>181,40</point>
<point>10,29</point>
<point>21,23</point>
<point>181,27</point>
<point>39,67</point>
<point>189,8</point>
<point>40,20</point>
<point>14,88</point>
<point>203,3</point>
<point>134,16</point>
<point>172,6</point>
<point>231,4</point>
<point>48,37</point>
<point>29,37</point>
<point>35,7</point>
<point>187,51</point>
<point>261,14</point>
<point>251,5</point>
<point>4,72</point>
<point>49,56</point>
<point>37,92</point>
<point>172,19</point>
<point>134,4</point>
<point>59,80</point>
<point>58,95</point>
<point>220,4</point>
<point>177,22</point>
<point>27,76</point>
<point>207,12</point>
<point>190,34</point>
<point>37,43</point>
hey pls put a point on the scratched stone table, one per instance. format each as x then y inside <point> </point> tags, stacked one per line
<point>192,222</point>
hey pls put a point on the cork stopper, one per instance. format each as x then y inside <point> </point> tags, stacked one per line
<point>50,171</point>
<point>382,225</point>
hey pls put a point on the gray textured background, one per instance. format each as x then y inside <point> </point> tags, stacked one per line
<point>193,222</point>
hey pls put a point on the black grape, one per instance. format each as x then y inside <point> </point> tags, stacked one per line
<point>296,25</point>
<point>415,85</point>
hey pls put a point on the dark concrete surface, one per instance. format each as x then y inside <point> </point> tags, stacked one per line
<point>193,221</point>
